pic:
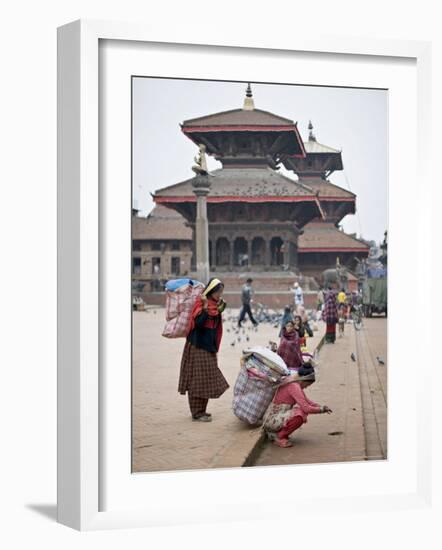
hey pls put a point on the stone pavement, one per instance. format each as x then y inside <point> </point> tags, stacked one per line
<point>355,391</point>
<point>371,343</point>
<point>164,436</point>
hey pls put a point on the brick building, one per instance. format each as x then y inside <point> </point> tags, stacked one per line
<point>161,248</point>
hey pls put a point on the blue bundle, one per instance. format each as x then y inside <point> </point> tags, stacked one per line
<point>174,284</point>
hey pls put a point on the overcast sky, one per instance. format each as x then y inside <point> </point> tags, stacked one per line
<point>353,120</point>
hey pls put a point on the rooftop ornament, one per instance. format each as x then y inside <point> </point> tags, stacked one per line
<point>249,105</point>
<point>311,135</point>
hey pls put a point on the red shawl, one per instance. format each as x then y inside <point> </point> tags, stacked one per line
<point>290,349</point>
<point>212,310</point>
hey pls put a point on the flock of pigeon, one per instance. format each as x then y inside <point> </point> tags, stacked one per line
<point>243,333</point>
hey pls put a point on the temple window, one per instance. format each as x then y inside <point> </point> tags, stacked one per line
<point>258,251</point>
<point>136,266</point>
<point>156,266</point>
<point>240,251</point>
<point>222,252</point>
<point>175,265</point>
<point>276,249</point>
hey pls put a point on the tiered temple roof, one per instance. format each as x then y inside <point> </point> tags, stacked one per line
<point>325,237</point>
<point>242,183</point>
<point>246,136</point>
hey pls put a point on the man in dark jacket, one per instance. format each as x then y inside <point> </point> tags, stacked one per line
<point>246,299</point>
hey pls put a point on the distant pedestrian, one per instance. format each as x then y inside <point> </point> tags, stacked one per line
<point>343,302</point>
<point>290,408</point>
<point>200,376</point>
<point>320,300</point>
<point>301,330</point>
<point>342,297</point>
<point>330,316</point>
<point>247,299</point>
<point>298,295</point>
<point>341,320</point>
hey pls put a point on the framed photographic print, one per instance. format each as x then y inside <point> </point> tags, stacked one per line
<point>233,225</point>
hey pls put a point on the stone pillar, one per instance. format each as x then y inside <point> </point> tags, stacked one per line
<point>268,262</point>
<point>201,188</point>
<point>232,253</point>
<point>293,258</point>
<point>249,252</point>
<point>286,253</point>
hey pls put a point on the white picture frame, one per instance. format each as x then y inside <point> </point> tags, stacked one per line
<point>79,273</point>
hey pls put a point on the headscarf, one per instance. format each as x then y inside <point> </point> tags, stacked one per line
<point>214,309</point>
<point>289,349</point>
<point>287,316</point>
<point>330,311</point>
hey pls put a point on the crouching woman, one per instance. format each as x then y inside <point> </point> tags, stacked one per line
<point>290,407</point>
<point>200,376</point>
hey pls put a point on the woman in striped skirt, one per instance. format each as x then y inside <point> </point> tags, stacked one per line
<point>330,317</point>
<point>200,376</point>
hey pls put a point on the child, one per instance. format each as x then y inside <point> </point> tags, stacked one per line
<point>341,319</point>
<point>286,317</point>
<point>289,347</point>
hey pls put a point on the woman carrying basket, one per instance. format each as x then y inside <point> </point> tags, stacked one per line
<point>200,376</point>
<point>290,407</point>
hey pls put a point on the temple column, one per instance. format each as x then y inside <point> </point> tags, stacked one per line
<point>232,253</point>
<point>201,188</point>
<point>249,252</point>
<point>293,256</point>
<point>286,251</point>
<point>268,261</point>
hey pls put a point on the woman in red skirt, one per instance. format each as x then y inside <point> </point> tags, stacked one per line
<point>290,408</point>
<point>200,376</point>
<point>330,317</point>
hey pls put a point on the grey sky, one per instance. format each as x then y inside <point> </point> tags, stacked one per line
<point>353,120</point>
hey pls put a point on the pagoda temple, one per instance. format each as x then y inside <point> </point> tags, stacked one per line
<point>322,242</point>
<point>255,214</point>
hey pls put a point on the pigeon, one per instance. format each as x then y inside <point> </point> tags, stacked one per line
<point>232,343</point>
<point>380,361</point>
<point>247,338</point>
<point>353,357</point>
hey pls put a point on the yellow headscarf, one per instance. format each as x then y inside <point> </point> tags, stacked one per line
<point>213,283</point>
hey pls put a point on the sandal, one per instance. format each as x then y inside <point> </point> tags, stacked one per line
<point>284,443</point>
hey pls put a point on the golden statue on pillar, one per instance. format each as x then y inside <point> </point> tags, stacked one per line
<point>200,167</point>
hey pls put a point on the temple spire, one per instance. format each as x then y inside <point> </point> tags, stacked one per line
<point>248,100</point>
<point>311,135</point>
